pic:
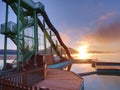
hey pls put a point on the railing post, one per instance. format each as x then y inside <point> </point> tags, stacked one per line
<point>61,51</point>
<point>50,43</point>
<point>57,45</point>
<point>45,50</point>
<point>35,36</point>
<point>5,41</point>
<point>18,33</point>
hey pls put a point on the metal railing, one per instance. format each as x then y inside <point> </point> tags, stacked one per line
<point>29,77</point>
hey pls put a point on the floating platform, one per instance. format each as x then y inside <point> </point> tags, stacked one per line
<point>61,80</point>
<point>82,61</point>
<point>107,68</point>
<point>87,73</point>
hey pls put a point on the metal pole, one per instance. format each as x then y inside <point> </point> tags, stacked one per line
<point>39,42</point>
<point>35,31</point>
<point>45,50</point>
<point>18,34</point>
<point>23,40</point>
<point>57,45</point>
<point>35,36</point>
<point>61,51</point>
<point>50,41</point>
<point>5,42</point>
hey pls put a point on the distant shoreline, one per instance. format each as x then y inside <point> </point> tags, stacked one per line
<point>9,52</point>
<point>9,56</point>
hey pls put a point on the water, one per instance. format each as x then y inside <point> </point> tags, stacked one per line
<point>9,60</point>
<point>108,57</point>
<point>99,82</point>
<point>96,82</point>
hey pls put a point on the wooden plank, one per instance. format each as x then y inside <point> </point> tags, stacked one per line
<point>107,68</point>
<point>107,65</point>
<point>82,61</point>
<point>61,80</point>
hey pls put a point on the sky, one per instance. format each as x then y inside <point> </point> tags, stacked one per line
<point>92,22</point>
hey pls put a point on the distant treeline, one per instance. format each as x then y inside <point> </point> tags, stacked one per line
<point>12,52</point>
<point>8,51</point>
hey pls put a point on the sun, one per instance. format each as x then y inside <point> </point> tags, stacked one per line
<point>83,52</point>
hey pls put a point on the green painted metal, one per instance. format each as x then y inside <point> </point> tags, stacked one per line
<point>23,25</point>
<point>27,13</point>
<point>27,56</point>
<point>57,44</point>
<point>18,33</point>
<point>36,30</point>
<point>35,36</point>
<point>48,37</point>
<point>51,43</point>
<point>23,40</point>
<point>22,19</point>
<point>5,42</point>
<point>45,45</point>
<point>61,51</point>
<point>14,7</point>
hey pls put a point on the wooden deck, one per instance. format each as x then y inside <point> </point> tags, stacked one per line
<point>61,80</point>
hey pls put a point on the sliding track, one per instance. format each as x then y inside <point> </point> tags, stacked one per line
<point>29,18</point>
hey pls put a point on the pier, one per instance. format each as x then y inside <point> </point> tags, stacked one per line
<point>82,61</point>
<point>35,68</point>
<point>101,68</point>
<point>31,69</point>
<point>61,80</point>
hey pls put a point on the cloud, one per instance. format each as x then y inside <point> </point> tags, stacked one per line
<point>74,35</point>
<point>105,17</point>
<point>105,37</point>
<point>107,33</point>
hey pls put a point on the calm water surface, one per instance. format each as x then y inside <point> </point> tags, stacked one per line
<point>96,82</point>
<point>99,82</point>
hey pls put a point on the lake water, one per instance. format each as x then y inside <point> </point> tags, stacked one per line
<point>99,82</point>
<point>10,60</point>
<point>96,82</point>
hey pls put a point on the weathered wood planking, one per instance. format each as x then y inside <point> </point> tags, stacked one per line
<point>61,80</point>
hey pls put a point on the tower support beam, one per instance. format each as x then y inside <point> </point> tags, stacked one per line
<point>18,33</point>
<point>5,40</point>
<point>35,36</point>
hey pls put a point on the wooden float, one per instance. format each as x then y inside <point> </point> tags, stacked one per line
<point>107,68</point>
<point>82,61</point>
<point>87,73</point>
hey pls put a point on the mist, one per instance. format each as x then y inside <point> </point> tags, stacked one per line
<point>109,33</point>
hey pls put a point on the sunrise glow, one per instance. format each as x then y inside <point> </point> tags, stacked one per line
<point>83,52</point>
